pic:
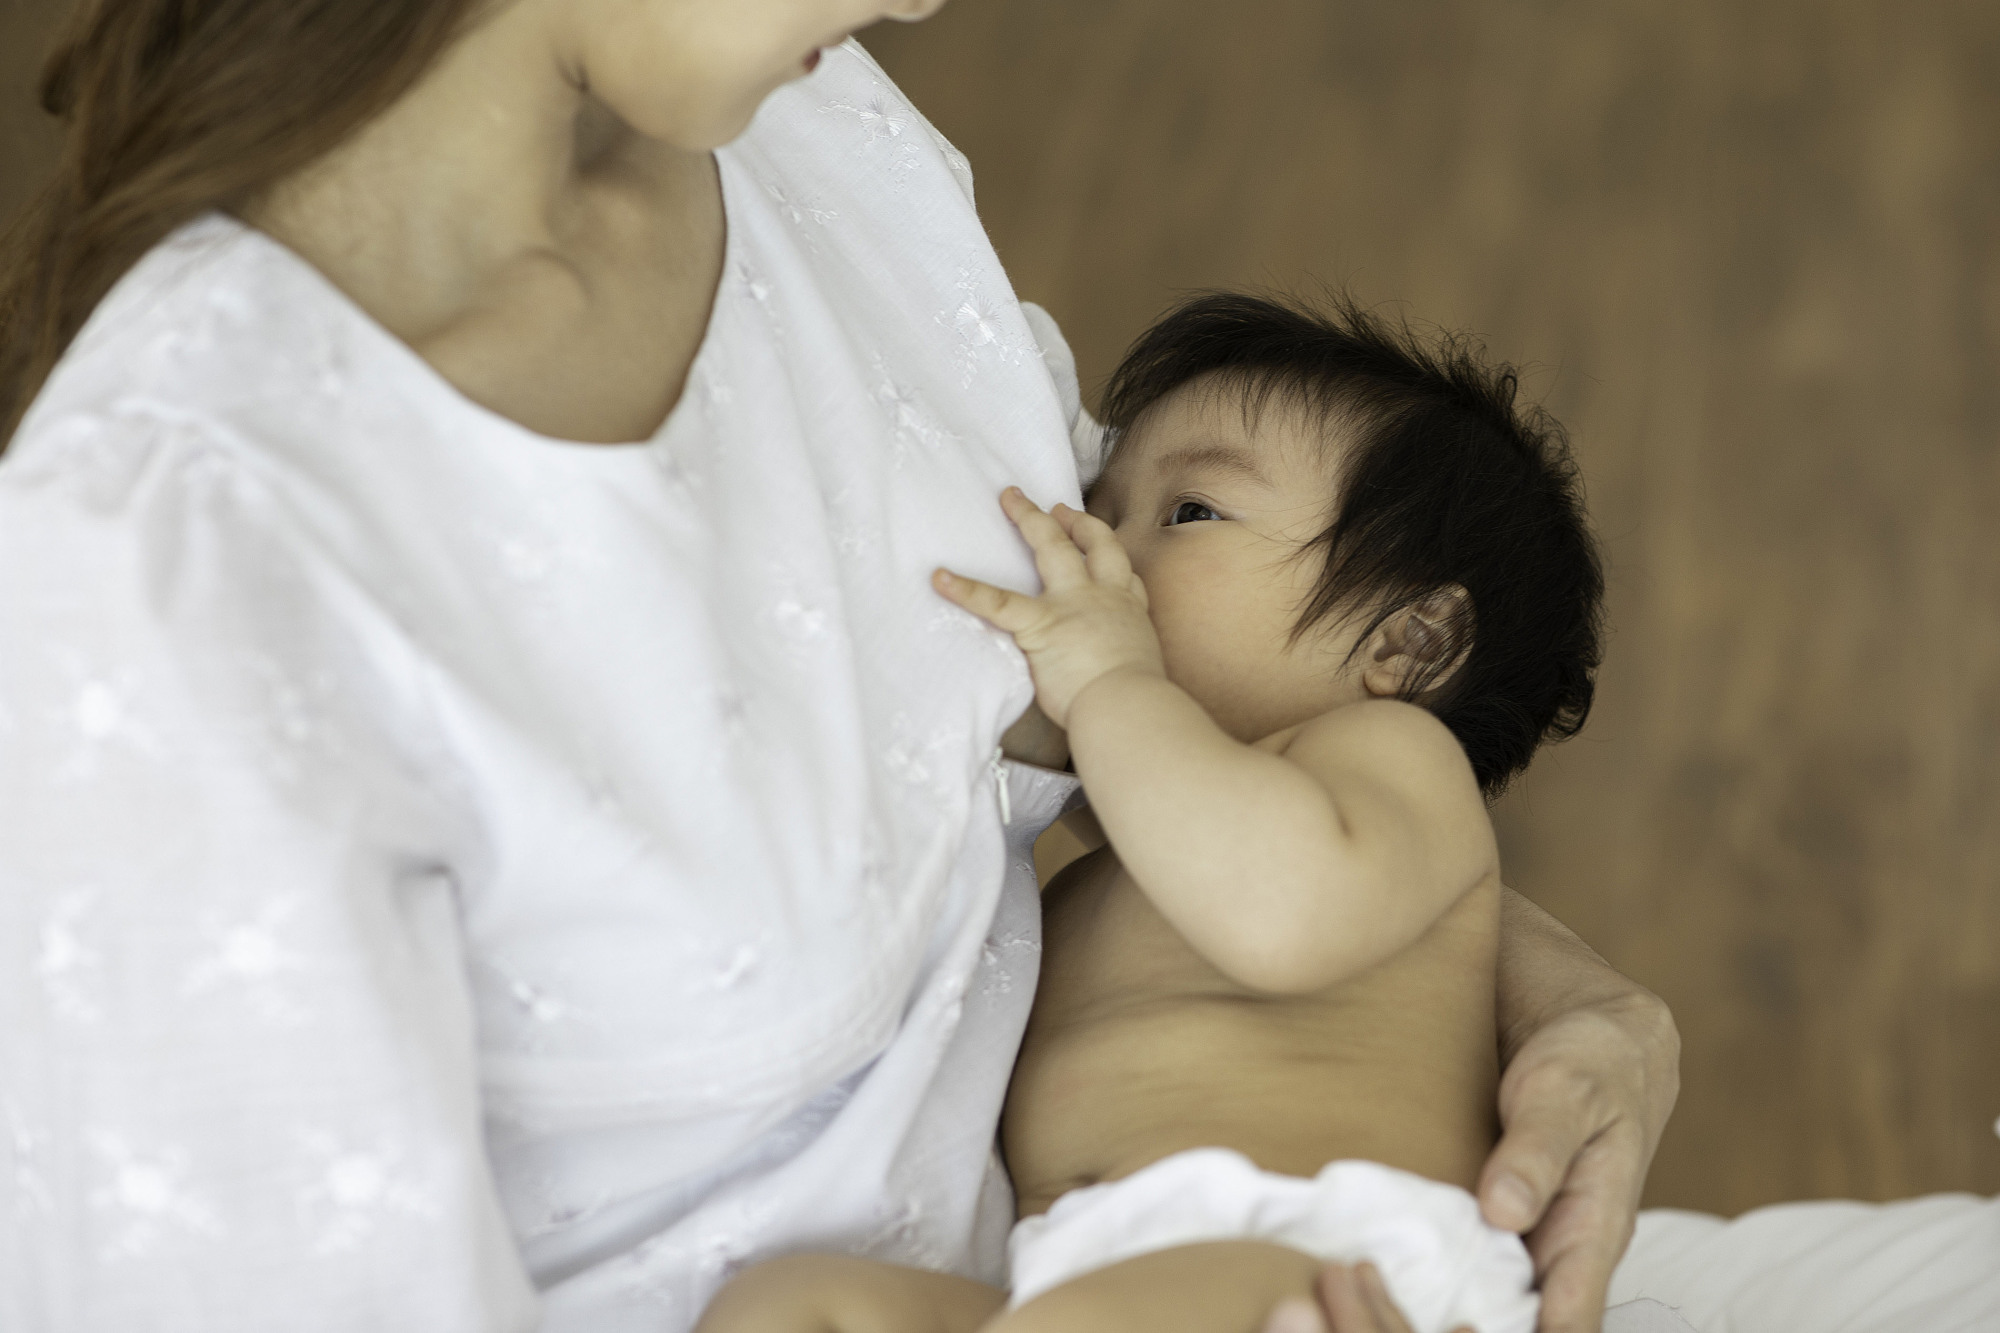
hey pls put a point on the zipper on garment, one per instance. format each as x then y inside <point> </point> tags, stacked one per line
<point>1000,786</point>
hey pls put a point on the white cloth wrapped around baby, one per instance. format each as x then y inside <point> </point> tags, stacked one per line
<point>1440,1260</point>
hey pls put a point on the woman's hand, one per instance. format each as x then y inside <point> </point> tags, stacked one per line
<point>1592,1069</point>
<point>1090,620</point>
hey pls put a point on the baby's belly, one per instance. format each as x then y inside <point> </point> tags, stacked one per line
<point>1292,1085</point>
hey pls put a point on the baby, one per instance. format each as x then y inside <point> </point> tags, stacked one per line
<point>1331,592</point>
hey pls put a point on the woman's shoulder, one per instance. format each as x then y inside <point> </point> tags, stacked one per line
<point>852,224</point>
<point>221,333</point>
<point>205,319</point>
<point>225,371</point>
<point>850,122</point>
<point>165,449</point>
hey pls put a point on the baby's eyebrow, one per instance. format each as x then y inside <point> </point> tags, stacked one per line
<point>1214,457</point>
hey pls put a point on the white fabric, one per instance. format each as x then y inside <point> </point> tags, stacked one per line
<point>1927,1265</point>
<point>1442,1263</point>
<point>1087,437</point>
<point>439,862</point>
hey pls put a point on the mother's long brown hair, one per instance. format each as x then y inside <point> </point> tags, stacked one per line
<point>176,107</point>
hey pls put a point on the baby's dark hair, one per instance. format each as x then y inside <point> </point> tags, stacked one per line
<point>1445,481</point>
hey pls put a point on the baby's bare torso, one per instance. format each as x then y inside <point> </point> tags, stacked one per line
<point>1138,1048</point>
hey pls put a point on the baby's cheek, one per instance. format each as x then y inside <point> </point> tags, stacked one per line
<point>1198,649</point>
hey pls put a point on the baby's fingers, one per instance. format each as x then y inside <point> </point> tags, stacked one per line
<point>1011,611</point>
<point>1060,564</point>
<point>1103,554</point>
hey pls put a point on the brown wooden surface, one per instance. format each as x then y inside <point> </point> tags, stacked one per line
<point>1751,251</point>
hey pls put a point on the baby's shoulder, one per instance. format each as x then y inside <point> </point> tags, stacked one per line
<point>1388,744</point>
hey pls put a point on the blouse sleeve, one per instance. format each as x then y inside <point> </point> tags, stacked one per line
<point>1086,436</point>
<point>237,1071</point>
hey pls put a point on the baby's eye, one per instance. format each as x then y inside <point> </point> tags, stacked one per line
<point>1191,511</point>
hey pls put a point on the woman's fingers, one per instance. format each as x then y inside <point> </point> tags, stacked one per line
<point>1010,611</point>
<point>1057,558</point>
<point>1581,1237</point>
<point>1543,1136</point>
<point>1575,1105</point>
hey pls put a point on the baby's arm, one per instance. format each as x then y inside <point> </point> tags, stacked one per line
<point>830,1293</point>
<point>1290,870</point>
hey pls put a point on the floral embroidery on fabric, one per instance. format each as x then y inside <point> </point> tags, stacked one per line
<point>101,716</point>
<point>881,117</point>
<point>1006,956</point>
<point>735,967</point>
<point>899,1236</point>
<point>981,324</point>
<point>354,1191</point>
<point>886,123</point>
<point>956,621</point>
<point>800,211</point>
<point>250,960</point>
<point>799,621</point>
<point>31,1190</point>
<point>850,526</point>
<point>803,614</point>
<point>542,1008</point>
<point>298,734</point>
<point>88,458</point>
<point>69,968</point>
<point>915,424</point>
<point>717,391</point>
<point>146,1197</point>
<point>957,161</point>
<point>684,481</point>
<point>753,281</point>
<point>915,759</point>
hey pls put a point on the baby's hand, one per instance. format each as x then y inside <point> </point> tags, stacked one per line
<point>1090,620</point>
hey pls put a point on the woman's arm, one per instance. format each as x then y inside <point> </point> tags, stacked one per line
<point>238,1060</point>
<point>1591,1068</point>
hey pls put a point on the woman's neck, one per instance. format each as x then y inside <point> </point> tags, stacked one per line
<point>550,262</point>
<point>497,155</point>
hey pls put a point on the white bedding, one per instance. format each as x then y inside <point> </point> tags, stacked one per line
<point>1926,1265</point>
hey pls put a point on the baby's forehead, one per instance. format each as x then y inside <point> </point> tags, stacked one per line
<point>1267,421</point>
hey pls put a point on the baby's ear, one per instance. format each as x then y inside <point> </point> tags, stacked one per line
<point>1420,647</point>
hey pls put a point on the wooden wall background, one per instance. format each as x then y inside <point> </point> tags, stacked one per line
<point>1750,250</point>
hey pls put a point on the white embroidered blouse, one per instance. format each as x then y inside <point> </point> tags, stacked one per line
<point>461,880</point>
